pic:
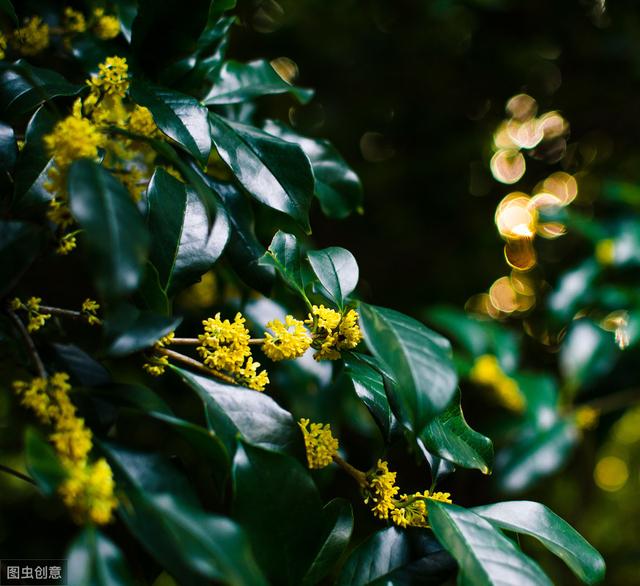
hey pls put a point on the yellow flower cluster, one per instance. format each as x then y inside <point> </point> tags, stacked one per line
<point>319,443</point>
<point>112,78</point>
<point>406,510</point>
<point>285,343</point>
<point>88,489</point>
<point>32,38</point>
<point>487,371</point>
<point>141,122</point>
<point>73,21</point>
<point>32,307</point>
<point>90,312</point>
<point>157,363</point>
<point>106,26</point>
<point>3,45</point>
<point>224,347</point>
<point>333,332</point>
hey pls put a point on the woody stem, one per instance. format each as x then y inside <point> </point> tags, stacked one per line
<point>28,340</point>
<point>359,476</point>
<point>188,361</point>
<point>61,312</point>
<point>197,342</point>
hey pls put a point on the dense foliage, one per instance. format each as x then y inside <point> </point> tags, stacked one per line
<point>200,394</point>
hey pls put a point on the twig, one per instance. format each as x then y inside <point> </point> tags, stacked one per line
<point>197,341</point>
<point>17,474</point>
<point>359,476</point>
<point>194,364</point>
<point>62,312</point>
<point>28,340</point>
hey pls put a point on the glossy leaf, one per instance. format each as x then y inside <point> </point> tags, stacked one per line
<point>179,116</point>
<point>242,82</point>
<point>20,243</point>
<point>554,533</point>
<point>129,329</point>
<point>7,8</point>
<point>114,229</point>
<point>94,560</point>
<point>8,147</point>
<point>337,270</point>
<point>285,255</point>
<point>24,87</point>
<point>485,556</point>
<point>397,557</point>
<point>419,360</point>
<point>273,493</point>
<point>254,416</point>
<point>33,164</point>
<point>337,186</point>
<point>338,521</point>
<point>85,369</point>
<point>450,437</point>
<point>275,172</point>
<point>42,462</point>
<point>369,386</point>
<point>165,516</point>
<point>535,456</point>
<point>182,246</point>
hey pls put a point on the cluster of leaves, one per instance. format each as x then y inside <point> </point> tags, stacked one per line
<point>225,496</point>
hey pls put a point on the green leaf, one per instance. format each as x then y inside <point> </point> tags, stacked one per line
<point>396,557</point>
<point>20,243</point>
<point>278,504</point>
<point>369,386</point>
<point>129,329</point>
<point>419,360</point>
<point>587,353</point>
<point>337,270</point>
<point>573,288</point>
<point>24,87</point>
<point>450,437</point>
<point>116,235</point>
<point>337,187</point>
<point>42,462</point>
<point>485,556</point>
<point>242,82</point>
<point>8,147</point>
<point>285,255</point>
<point>553,532</point>
<point>535,456</point>
<point>275,172</point>
<point>8,9</point>
<point>338,517</point>
<point>94,560</point>
<point>179,116</point>
<point>233,411</point>
<point>182,246</point>
<point>151,294</point>
<point>82,367</point>
<point>244,250</point>
<point>33,164</point>
<point>165,516</point>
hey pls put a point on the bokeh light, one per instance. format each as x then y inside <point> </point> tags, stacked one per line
<point>611,473</point>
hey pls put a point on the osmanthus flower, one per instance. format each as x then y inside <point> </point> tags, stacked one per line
<point>319,443</point>
<point>88,489</point>
<point>157,363</point>
<point>224,344</point>
<point>381,489</point>
<point>289,339</point>
<point>141,122</point>
<point>32,307</point>
<point>3,45</point>
<point>106,26</point>
<point>487,371</point>
<point>73,138</point>
<point>89,310</point>
<point>249,376</point>
<point>73,21</point>
<point>32,38</point>
<point>333,332</point>
<point>412,510</point>
<point>112,78</point>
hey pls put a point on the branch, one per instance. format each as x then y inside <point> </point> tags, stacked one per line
<point>17,474</point>
<point>63,312</point>
<point>28,340</point>
<point>188,361</point>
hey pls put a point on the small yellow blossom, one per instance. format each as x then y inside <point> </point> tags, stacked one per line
<point>110,111</point>
<point>32,307</point>
<point>88,493</point>
<point>32,38</point>
<point>157,363</point>
<point>586,417</point>
<point>73,138</point>
<point>249,376</point>
<point>381,489</point>
<point>173,172</point>
<point>141,122</point>
<point>74,21</point>
<point>106,26</point>
<point>606,252</point>
<point>285,344</point>
<point>112,78</point>
<point>487,371</point>
<point>320,444</point>
<point>3,46</point>
<point>66,244</point>
<point>333,332</point>
<point>89,311</point>
<point>224,345</point>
